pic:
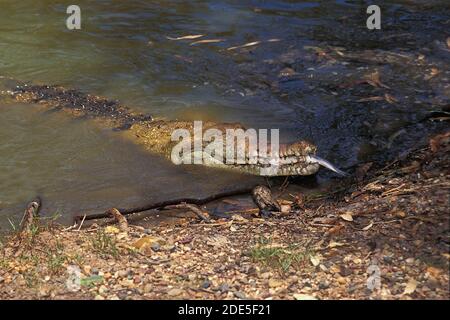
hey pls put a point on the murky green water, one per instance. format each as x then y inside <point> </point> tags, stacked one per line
<point>122,52</point>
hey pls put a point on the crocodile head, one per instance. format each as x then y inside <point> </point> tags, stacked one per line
<point>293,159</point>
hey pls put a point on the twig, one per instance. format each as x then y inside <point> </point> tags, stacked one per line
<point>162,204</point>
<point>81,223</point>
<point>191,207</point>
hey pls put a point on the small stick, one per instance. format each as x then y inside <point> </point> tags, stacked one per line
<point>81,223</point>
<point>191,207</point>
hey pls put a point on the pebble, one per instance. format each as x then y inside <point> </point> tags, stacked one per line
<point>223,287</point>
<point>206,284</point>
<point>147,288</point>
<point>341,280</point>
<point>99,297</point>
<point>87,269</point>
<point>239,295</point>
<point>156,246</point>
<point>137,280</point>
<point>324,285</point>
<point>174,292</point>
<point>122,273</point>
<point>274,283</point>
<point>102,289</point>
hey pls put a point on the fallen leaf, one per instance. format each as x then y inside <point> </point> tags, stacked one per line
<point>238,217</point>
<point>374,80</point>
<point>315,260</point>
<point>434,272</point>
<point>244,45</point>
<point>376,98</point>
<point>112,229</point>
<point>147,241</point>
<point>446,255</point>
<point>434,72</point>
<point>410,286</point>
<point>182,58</point>
<point>300,296</point>
<point>205,41</point>
<point>217,241</point>
<point>368,226</point>
<point>174,292</point>
<point>390,99</point>
<point>334,244</point>
<point>347,216</point>
<point>273,283</point>
<point>285,208</point>
<point>334,230</point>
<point>399,214</point>
<point>438,140</point>
<point>188,37</point>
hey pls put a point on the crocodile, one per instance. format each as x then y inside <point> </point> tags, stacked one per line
<point>155,135</point>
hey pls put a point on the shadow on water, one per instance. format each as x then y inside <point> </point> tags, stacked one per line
<point>304,75</point>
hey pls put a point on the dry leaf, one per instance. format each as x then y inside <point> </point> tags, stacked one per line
<point>434,72</point>
<point>285,208</point>
<point>238,217</point>
<point>446,255</point>
<point>112,229</point>
<point>389,98</point>
<point>439,140</point>
<point>254,43</point>
<point>347,216</point>
<point>368,226</point>
<point>334,244</point>
<point>374,80</point>
<point>188,37</point>
<point>371,99</point>
<point>217,241</point>
<point>206,41</point>
<point>399,214</point>
<point>147,241</point>
<point>410,286</point>
<point>300,296</point>
<point>315,260</point>
<point>434,272</point>
<point>334,230</point>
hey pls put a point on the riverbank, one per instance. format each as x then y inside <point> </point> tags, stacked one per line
<point>384,235</point>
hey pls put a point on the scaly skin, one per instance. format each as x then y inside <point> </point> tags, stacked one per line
<point>155,135</point>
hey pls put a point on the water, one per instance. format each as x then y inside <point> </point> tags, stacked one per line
<point>122,52</point>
